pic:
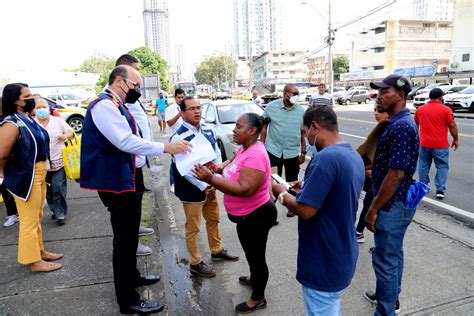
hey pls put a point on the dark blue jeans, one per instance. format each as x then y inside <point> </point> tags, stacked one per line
<point>56,192</point>
<point>387,257</point>
<point>440,156</point>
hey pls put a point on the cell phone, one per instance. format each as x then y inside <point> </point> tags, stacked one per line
<point>280,180</point>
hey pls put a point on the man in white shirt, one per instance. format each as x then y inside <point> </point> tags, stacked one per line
<point>173,112</point>
<point>139,114</point>
<point>321,99</point>
<point>110,146</point>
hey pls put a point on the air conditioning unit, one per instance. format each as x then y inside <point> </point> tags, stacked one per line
<point>454,65</point>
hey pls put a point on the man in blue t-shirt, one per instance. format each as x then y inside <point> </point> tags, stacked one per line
<point>160,108</point>
<point>326,204</point>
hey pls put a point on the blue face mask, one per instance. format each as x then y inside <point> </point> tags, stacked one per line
<point>42,113</point>
<point>310,148</point>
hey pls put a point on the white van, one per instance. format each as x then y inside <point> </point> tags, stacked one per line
<point>65,98</point>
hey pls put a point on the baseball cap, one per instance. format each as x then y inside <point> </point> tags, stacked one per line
<point>436,93</point>
<point>396,81</point>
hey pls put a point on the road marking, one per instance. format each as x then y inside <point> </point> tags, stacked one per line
<point>448,207</point>
<point>374,123</point>
<point>352,135</point>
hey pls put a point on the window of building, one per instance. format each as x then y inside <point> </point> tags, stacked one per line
<point>466,57</point>
<point>292,54</point>
<point>378,67</point>
<point>275,55</point>
<point>379,30</point>
<point>292,72</point>
<point>275,64</point>
<point>379,49</point>
<point>276,72</point>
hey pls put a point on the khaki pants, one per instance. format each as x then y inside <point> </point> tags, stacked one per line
<point>30,212</point>
<point>210,211</point>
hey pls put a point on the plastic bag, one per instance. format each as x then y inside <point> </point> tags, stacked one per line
<point>415,194</point>
<point>72,158</point>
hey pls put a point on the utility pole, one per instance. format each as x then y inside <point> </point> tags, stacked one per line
<point>250,65</point>
<point>330,41</point>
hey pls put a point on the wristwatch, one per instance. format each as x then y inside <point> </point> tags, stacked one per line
<point>281,197</point>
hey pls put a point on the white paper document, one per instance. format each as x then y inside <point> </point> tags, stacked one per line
<point>201,152</point>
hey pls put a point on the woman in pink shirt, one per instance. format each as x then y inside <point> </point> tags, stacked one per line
<point>58,132</point>
<point>245,182</point>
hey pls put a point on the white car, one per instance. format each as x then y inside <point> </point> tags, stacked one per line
<point>423,98</point>
<point>220,116</point>
<point>464,99</point>
<point>74,116</point>
<point>68,99</point>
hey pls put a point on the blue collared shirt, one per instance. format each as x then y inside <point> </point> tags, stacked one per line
<point>397,148</point>
<point>284,131</point>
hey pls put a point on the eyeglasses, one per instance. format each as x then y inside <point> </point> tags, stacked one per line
<point>294,93</point>
<point>194,108</point>
<point>135,84</point>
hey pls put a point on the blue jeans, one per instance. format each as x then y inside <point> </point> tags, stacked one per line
<point>319,303</point>
<point>56,192</point>
<point>441,160</point>
<point>387,257</point>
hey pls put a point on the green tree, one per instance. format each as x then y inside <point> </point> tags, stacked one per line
<point>340,65</point>
<point>150,63</point>
<point>97,63</point>
<point>215,70</point>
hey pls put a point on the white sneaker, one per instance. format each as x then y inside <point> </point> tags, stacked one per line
<point>143,250</point>
<point>12,219</point>
<point>172,188</point>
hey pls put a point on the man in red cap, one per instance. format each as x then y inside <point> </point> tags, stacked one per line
<point>434,120</point>
<point>392,174</point>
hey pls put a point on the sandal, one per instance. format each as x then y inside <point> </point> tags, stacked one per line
<point>50,256</point>
<point>43,266</point>
<point>243,308</point>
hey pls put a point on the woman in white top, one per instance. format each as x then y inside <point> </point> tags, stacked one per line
<point>59,131</point>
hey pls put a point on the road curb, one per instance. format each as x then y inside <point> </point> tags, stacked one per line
<point>457,213</point>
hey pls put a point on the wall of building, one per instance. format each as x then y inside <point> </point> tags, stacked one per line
<point>281,65</point>
<point>462,37</point>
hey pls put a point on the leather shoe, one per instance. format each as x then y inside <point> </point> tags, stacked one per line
<point>148,280</point>
<point>142,307</point>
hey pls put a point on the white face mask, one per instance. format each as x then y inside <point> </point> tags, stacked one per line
<point>294,99</point>
<point>311,148</point>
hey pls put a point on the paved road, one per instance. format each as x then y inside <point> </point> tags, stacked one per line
<point>355,122</point>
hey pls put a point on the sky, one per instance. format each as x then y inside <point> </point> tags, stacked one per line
<point>42,35</point>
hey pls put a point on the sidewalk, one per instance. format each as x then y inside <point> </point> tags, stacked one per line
<point>438,276</point>
<point>84,286</point>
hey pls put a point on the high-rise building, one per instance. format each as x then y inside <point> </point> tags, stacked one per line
<point>435,10</point>
<point>257,27</point>
<point>155,18</point>
<point>179,61</point>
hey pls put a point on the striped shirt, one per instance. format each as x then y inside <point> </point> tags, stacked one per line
<point>321,100</point>
<point>284,131</point>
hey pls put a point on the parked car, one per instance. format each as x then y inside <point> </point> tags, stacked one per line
<point>431,86</point>
<point>354,95</point>
<point>68,99</point>
<point>464,99</point>
<point>411,95</point>
<point>220,116</point>
<point>423,98</point>
<point>74,116</point>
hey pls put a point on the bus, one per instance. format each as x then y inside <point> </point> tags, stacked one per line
<point>188,87</point>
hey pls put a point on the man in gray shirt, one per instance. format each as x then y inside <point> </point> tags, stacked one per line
<point>321,99</point>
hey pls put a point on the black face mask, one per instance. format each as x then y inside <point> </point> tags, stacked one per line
<point>29,105</point>
<point>132,96</point>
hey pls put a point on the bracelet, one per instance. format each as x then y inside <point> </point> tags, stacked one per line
<point>303,153</point>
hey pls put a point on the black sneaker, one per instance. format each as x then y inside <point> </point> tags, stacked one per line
<point>142,307</point>
<point>202,269</point>
<point>242,308</point>
<point>370,296</point>
<point>439,195</point>
<point>53,217</point>
<point>290,214</point>
<point>245,280</point>
<point>223,255</point>
<point>371,249</point>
